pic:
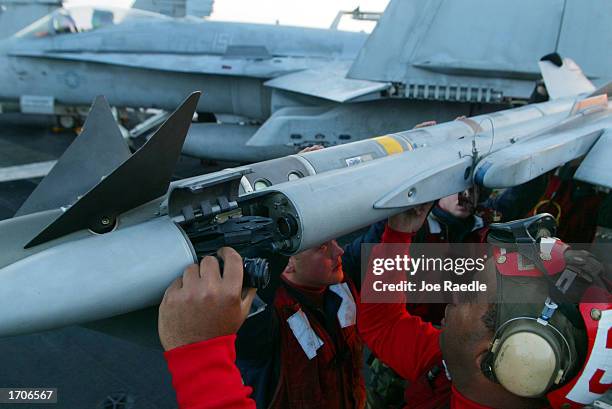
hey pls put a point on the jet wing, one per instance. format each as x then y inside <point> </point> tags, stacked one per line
<point>328,83</point>
<point>184,63</point>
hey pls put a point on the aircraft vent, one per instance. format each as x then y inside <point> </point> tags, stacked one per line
<point>452,93</point>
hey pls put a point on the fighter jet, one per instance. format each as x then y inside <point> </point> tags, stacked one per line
<point>105,232</point>
<point>292,87</point>
<point>142,59</point>
<point>17,14</point>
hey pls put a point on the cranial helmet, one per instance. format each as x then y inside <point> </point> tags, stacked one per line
<point>553,333</point>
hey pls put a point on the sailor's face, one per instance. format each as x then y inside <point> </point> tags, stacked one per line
<point>459,204</point>
<point>465,337</point>
<point>320,266</point>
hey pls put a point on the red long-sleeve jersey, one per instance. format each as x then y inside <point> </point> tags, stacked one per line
<point>205,376</point>
<point>402,341</point>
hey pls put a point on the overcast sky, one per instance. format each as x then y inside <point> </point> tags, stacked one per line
<point>310,13</point>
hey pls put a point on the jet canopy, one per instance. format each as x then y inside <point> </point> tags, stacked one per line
<point>82,19</point>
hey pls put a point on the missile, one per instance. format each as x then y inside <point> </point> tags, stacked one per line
<point>106,232</point>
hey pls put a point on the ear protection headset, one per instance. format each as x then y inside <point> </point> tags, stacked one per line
<point>528,356</point>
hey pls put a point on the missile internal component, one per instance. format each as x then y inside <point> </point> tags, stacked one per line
<point>256,272</point>
<point>244,233</point>
<point>213,215</point>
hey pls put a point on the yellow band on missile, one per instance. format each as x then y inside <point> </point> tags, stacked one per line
<point>389,144</point>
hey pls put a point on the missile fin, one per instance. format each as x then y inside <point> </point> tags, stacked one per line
<point>143,177</point>
<point>95,153</point>
<point>563,77</point>
<point>442,180</point>
<point>596,167</point>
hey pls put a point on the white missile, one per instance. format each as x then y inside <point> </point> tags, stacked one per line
<point>105,232</point>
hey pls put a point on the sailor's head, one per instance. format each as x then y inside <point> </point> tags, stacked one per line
<point>501,352</point>
<point>460,205</point>
<point>317,267</point>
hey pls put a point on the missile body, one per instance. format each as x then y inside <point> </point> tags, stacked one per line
<point>96,257</point>
<point>80,278</point>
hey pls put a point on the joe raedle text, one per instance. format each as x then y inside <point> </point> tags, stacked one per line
<point>419,270</point>
<point>424,287</point>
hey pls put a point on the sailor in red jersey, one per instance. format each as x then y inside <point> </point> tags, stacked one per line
<point>198,319</point>
<point>467,349</point>
<point>202,310</point>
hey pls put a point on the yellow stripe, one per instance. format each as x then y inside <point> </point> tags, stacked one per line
<point>390,145</point>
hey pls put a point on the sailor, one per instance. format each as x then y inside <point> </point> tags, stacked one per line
<point>574,204</point>
<point>483,348</point>
<point>451,220</point>
<point>303,350</point>
<point>500,354</point>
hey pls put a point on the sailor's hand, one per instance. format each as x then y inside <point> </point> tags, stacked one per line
<point>202,304</point>
<point>411,220</point>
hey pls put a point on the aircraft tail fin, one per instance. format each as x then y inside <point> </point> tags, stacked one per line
<point>563,77</point>
<point>95,153</point>
<point>383,56</point>
<point>141,178</point>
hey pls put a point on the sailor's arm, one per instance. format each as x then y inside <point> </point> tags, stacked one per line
<point>402,341</point>
<point>199,315</point>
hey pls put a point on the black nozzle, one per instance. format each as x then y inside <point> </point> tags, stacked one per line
<point>287,226</point>
<point>256,272</point>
